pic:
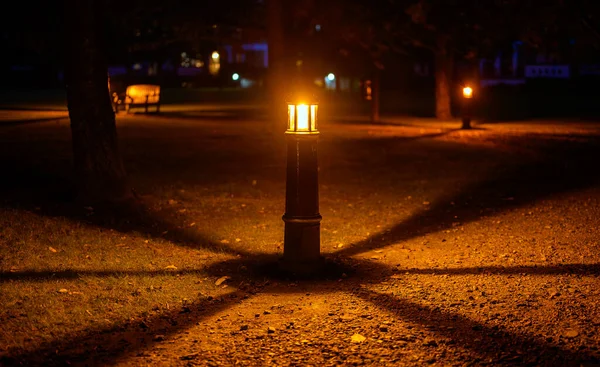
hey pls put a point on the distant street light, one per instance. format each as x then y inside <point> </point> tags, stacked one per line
<point>466,107</point>
<point>302,242</point>
<point>215,55</point>
<point>235,76</point>
<point>331,77</point>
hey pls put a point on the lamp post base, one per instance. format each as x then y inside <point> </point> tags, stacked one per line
<point>466,123</point>
<point>302,239</point>
<point>302,268</point>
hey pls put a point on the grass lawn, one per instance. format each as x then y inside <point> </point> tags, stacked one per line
<point>449,247</point>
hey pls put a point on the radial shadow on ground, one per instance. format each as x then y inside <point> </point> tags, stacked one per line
<point>105,346</point>
<point>560,168</point>
<point>51,194</point>
<point>267,267</point>
<point>491,344</point>
<point>261,274</point>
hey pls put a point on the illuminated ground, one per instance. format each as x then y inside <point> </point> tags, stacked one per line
<point>450,247</point>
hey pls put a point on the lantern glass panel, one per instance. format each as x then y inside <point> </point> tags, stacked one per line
<point>468,92</point>
<point>302,116</point>
<point>291,117</point>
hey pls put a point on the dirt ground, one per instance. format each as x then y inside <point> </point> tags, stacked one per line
<point>443,247</point>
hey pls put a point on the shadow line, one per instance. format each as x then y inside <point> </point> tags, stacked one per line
<point>7,123</point>
<point>491,343</point>
<point>71,274</point>
<point>574,269</point>
<point>105,346</point>
<point>257,261</point>
<point>565,168</point>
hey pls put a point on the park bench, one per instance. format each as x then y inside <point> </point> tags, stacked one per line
<point>142,95</point>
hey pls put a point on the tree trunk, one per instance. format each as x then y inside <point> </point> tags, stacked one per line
<point>98,166</point>
<point>444,64</point>
<point>276,71</point>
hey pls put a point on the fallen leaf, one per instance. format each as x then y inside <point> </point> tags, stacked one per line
<point>357,338</point>
<point>571,333</point>
<point>192,224</point>
<point>224,241</point>
<point>52,249</point>
<point>62,290</point>
<point>238,240</point>
<point>171,267</point>
<point>222,279</point>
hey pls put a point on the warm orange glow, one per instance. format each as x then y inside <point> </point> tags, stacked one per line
<point>468,92</point>
<point>143,93</point>
<point>302,118</point>
<point>302,123</point>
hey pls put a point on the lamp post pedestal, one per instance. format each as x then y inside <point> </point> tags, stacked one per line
<point>466,123</point>
<point>466,113</point>
<point>302,238</point>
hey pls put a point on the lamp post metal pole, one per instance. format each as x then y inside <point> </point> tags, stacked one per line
<point>466,114</point>
<point>302,239</point>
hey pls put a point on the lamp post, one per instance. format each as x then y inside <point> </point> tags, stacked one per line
<point>467,93</point>
<point>301,248</point>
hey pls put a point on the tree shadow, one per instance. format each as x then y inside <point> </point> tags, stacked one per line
<point>560,168</point>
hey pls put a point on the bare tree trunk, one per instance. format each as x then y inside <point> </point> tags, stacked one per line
<point>444,64</point>
<point>276,73</point>
<point>98,166</point>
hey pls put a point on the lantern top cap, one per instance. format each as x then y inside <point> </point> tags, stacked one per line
<point>298,99</point>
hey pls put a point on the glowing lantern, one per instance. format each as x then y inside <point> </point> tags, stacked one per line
<point>302,118</point>
<point>468,92</point>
